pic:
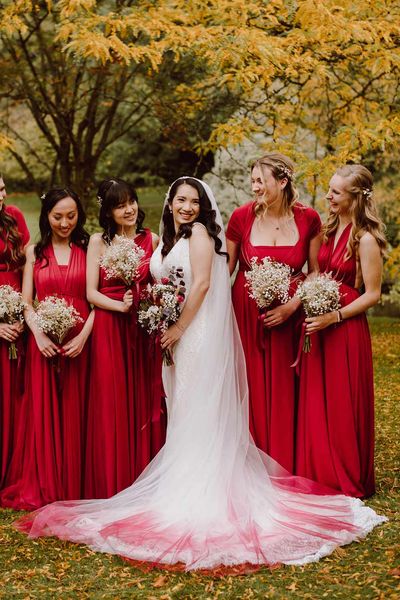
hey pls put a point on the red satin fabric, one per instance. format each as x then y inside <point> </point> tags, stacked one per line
<point>270,352</point>
<point>125,425</point>
<point>48,456</point>
<point>11,371</point>
<point>335,432</point>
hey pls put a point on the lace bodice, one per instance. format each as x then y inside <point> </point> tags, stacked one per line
<point>176,379</point>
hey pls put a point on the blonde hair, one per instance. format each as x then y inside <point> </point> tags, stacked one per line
<point>281,168</point>
<point>364,213</point>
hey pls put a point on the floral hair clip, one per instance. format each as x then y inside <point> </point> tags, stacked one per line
<point>43,196</point>
<point>286,171</point>
<point>367,193</point>
<point>99,200</point>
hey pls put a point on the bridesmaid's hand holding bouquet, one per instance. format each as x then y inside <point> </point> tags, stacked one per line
<point>161,305</point>
<point>11,317</point>
<point>320,296</point>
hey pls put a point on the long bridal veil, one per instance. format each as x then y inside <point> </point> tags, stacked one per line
<point>210,497</point>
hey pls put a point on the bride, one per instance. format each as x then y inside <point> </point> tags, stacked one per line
<point>209,497</point>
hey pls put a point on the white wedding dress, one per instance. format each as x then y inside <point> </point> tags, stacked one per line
<point>210,497</point>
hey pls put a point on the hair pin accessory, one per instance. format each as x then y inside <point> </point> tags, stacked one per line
<point>367,193</point>
<point>99,200</point>
<point>286,171</point>
<point>43,196</point>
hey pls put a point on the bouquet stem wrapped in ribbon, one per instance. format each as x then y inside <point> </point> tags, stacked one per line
<point>161,304</point>
<point>11,311</point>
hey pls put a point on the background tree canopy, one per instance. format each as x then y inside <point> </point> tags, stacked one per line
<point>150,89</point>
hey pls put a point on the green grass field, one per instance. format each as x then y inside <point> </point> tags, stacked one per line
<point>49,568</point>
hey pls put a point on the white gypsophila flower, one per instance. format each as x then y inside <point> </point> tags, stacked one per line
<point>55,317</point>
<point>150,318</point>
<point>267,281</point>
<point>319,295</point>
<point>121,260</point>
<point>11,305</point>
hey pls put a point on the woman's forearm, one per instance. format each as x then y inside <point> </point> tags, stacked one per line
<point>30,320</point>
<point>102,301</point>
<point>360,305</point>
<point>88,326</point>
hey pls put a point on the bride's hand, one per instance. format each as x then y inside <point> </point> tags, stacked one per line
<point>170,337</point>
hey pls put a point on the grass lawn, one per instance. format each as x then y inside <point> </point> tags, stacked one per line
<point>49,568</point>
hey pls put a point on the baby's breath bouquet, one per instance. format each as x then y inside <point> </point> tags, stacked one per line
<point>161,304</point>
<point>268,280</point>
<point>121,260</point>
<point>55,317</point>
<point>319,295</point>
<point>11,311</point>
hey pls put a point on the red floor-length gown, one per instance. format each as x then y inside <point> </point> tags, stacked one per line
<point>270,352</point>
<point>125,427</point>
<point>335,432</point>
<point>47,463</point>
<point>11,371</point>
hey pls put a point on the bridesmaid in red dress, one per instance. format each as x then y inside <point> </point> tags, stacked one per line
<point>125,424</point>
<point>335,431</point>
<point>48,456</point>
<point>14,236</point>
<point>276,225</point>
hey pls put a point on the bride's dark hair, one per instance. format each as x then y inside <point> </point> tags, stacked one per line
<point>207,217</point>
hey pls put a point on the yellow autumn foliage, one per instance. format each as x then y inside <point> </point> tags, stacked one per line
<point>317,78</point>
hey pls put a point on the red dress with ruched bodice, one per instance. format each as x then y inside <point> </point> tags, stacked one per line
<point>48,456</point>
<point>335,431</point>
<point>270,352</point>
<point>126,422</point>
<point>11,371</point>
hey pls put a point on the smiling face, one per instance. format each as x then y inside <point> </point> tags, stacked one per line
<point>3,193</point>
<point>63,217</point>
<point>340,200</point>
<point>185,205</point>
<point>125,214</point>
<point>264,185</point>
